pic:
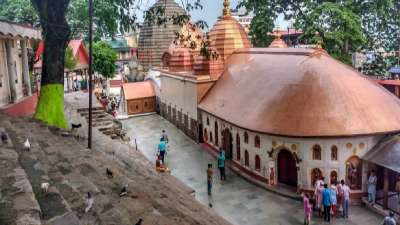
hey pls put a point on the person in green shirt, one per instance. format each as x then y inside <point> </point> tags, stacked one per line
<point>221,164</point>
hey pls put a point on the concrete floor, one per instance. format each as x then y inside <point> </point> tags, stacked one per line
<point>237,200</point>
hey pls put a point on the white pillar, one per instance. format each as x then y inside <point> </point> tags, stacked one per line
<point>11,70</point>
<point>25,67</point>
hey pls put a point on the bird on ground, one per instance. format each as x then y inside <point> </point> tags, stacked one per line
<point>27,145</point>
<point>45,187</point>
<point>139,222</point>
<point>4,138</point>
<point>124,191</point>
<point>109,173</point>
<point>89,202</point>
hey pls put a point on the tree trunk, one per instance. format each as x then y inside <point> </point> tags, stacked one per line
<point>56,33</point>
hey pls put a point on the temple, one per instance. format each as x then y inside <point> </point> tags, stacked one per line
<point>282,115</point>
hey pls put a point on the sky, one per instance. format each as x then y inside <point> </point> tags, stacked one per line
<point>211,10</point>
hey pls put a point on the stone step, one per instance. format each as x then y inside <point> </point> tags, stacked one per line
<point>87,109</point>
<point>102,124</point>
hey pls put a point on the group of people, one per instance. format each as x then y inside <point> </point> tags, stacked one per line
<point>327,201</point>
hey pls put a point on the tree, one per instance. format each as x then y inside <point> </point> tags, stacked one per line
<point>20,11</point>
<point>104,58</point>
<point>265,13</point>
<point>70,61</point>
<point>56,33</point>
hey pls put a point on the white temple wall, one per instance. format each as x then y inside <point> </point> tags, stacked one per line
<point>180,94</point>
<point>303,147</point>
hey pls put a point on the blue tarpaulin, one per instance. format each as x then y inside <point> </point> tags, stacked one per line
<point>395,70</point>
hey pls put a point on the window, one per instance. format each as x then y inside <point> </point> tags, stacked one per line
<point>246,137</point>
<point>257,141</point>
<point>205,135</point>
<point>257,163</point>
<point>333,177</point>
<point>334,153</point>
<point>211,137</point>
<point>216,133</point>
<point>316,154</point>
<point>237,141</point>
<point>246,158</point>
<point>316,174</point>
<point>145,104</point>
<point>208,121</point>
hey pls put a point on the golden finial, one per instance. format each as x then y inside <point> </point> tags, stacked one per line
<point>227,8</point>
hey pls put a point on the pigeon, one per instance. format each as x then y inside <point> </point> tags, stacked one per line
<point>109,173</point>
<point>4,138</point>
<point>45,187</point>
<point>27,145</point>
<point>89,202</point>
<point>124,191</point>
<point>139,222</point>
<point>76,126</point>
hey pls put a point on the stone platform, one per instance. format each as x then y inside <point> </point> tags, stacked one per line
<point>72,170</point>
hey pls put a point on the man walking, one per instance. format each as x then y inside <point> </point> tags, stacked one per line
<point>389,220</point>
<point>162,148</point>
<point>209,178</point>
<point>327,202</point>
<point>164,136</point>
<point>372,180</point>
<point>345,192</point>
<point>221,164</point>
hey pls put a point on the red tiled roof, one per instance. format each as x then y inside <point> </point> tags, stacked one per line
<point>138,90</point>
<point>388,82</point>
<point>116,83</point>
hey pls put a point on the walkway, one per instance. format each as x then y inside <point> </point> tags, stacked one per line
<point>24,107</point>
<point>237,200</point>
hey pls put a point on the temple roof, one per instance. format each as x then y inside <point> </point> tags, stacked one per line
<point>138,90</point>
<point>155,39</point>
<point>300,93</point>
<point>227,35</point>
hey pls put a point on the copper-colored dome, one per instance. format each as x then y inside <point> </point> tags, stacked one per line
<point>227,35</point>
<point>278,42</point>
<point>300,93</point>
<point>204,66</point>
<point>181,60</point>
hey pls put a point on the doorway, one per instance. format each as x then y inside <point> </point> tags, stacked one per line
<point>287,171</point>
<point>227,144</point>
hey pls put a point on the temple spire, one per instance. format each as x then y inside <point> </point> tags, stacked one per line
<point>227,8</point>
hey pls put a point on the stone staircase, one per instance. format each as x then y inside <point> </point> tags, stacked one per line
<point>104,122</point>
<point>72,170</point>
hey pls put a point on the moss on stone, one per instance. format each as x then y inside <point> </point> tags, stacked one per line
<point>50,107</point>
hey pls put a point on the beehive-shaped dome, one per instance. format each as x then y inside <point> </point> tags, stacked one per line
<point>208,66</point>
<point>181,60</point>
<point>227,35</point>
<point>155,39</point>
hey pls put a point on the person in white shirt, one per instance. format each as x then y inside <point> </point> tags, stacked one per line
<point>346,199</point>
<point>372,180</point>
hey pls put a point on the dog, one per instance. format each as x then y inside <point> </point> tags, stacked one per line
<point>109,173</point>
<point>45,187</point>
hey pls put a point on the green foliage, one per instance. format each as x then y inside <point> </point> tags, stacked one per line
<point>339,29</point>
<point>70,61</point>
<point>379,64</point>
<point>265,13</point>
<point>104,58</point>
<point>20,11</point>
<point>50,108</point>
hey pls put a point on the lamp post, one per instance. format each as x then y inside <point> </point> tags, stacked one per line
<point>90,73</point>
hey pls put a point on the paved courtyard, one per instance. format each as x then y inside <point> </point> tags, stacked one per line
<point>237,200</point>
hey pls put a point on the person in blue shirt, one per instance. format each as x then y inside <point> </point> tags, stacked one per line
<point>162,148</point>
<point>327,202</point>
<point>221,164</point>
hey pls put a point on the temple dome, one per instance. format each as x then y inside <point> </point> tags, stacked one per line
<point>204,66</point>
<point>278,42</point>
<point>181,60</point>
<point>298,92</point>
<point>155,39</point>
<point>227,35</point>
